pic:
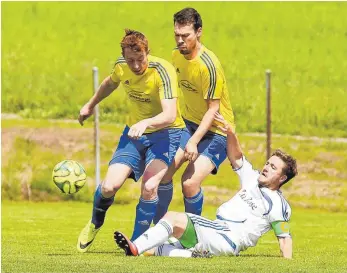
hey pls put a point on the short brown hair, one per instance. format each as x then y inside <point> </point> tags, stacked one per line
<point>188,16</point>
<point>290,170</point>
<point>134,40</point>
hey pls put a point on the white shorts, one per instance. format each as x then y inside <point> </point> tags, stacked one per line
<point>213,236</point>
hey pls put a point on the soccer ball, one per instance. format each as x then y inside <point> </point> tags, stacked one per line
<point>69,176</point>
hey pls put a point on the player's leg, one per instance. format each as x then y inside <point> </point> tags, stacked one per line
<point>124,164</point>
<point>165,189</point>
<point>192,178</point>
<point>145,209</point>
<point>212,152</point>
<point>215,237</point>
<point>173,224</point>
<point>161,149</point>
<point>103,199</point>
<point>105,193</point>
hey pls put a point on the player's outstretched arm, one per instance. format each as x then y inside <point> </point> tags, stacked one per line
<point>105,89</point>
<point>162,120</point>
<point>233,146</point>
<point>286,246</point>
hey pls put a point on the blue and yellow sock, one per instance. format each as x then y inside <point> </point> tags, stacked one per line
<point>100,206</point>
<point>194,204</point>
<point>145,211</point>
<point>165,192</point>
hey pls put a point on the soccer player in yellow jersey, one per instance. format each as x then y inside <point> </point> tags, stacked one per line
<point>149,141</point>
<point>203,84</point>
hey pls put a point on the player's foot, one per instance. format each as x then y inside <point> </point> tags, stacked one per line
<point>201,254</point>
<point>87,237</point>
<point>124,243</point>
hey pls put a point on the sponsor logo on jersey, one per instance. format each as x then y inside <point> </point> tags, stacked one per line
<point>248,200</point>
<point>137,96</point>
<point>188,86</point>
<point>166,154</point>
<point>177,70</point>
<point>127,82</point>
<point>217,156</point>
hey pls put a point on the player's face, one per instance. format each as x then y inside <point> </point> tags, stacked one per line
<point>186,38</point>
<point>137,61</point>
<point>272,174</point>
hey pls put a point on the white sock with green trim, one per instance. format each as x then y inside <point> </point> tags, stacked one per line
<point>154,236</point>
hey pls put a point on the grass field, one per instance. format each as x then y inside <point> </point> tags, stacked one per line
<point>31,148</point>
<point>41,237</point>
<point>49,49</point>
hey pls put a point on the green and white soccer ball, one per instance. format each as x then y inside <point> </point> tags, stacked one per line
<point>69,176</point>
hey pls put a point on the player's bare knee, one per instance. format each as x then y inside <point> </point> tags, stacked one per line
<point>170,216</point>
<point>109,188</point>
<point>178,220</point>
<point>190,188</point>
<point>149,191</point>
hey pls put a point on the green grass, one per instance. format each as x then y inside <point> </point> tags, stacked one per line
<point>49,49</point>
<point>31,148</point>
<point>41,237</point>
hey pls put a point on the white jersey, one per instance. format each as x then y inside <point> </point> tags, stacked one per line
<point>251,211</point>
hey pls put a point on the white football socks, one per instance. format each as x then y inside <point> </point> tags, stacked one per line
<point>154,236</point>
<point>172,251</point>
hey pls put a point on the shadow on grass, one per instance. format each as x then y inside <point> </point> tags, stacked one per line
<point>90,252</point>
<point>259,255</point>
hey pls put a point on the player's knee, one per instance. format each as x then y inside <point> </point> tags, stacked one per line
<point>178,220</point>
<point>108,188</point>
<point>190,188</point>
<point>170,216</point>
<point>149,191</point>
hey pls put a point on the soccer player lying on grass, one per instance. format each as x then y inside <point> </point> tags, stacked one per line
<point>202,81</point>
<point>150,138</point>
<point>241,221</point>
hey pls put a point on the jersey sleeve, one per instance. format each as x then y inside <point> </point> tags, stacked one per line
<point>212,81</point>
<point>117,70</point>
<point>281,210</point>
<point>167,81</point>
<point>246,173</point>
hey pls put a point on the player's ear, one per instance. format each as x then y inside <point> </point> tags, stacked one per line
<point>282,179</point>
<point>199,32</point>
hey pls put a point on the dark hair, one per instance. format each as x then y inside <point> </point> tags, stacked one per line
<point>290,170</point>
<point>188,16</point>
<point>134,40</point>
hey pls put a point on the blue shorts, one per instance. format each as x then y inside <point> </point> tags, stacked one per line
<point>138,153</point>
<point>212,145</point>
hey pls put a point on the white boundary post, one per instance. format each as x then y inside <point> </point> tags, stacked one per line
<point>268,112</point>
<point>96,128</point>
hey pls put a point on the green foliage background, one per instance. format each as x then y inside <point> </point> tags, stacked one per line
<point>49,49</point>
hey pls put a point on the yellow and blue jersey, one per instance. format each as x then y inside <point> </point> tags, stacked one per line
<point>146,91</point>
<point>202,79</point>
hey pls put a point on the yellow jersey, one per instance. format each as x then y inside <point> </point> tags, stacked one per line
<point>145,92</point>
<point>201,79</point>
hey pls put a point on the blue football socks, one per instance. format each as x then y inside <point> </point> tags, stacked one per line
<point>165,192</point>
<point>194,204</point>
<point>101,205</point>
<point>145,211</point>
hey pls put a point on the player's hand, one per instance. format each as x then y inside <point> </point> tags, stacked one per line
<point>224,125</point>
<point>85,112</point>
<point>191,151</point>
<point>137,130</point>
